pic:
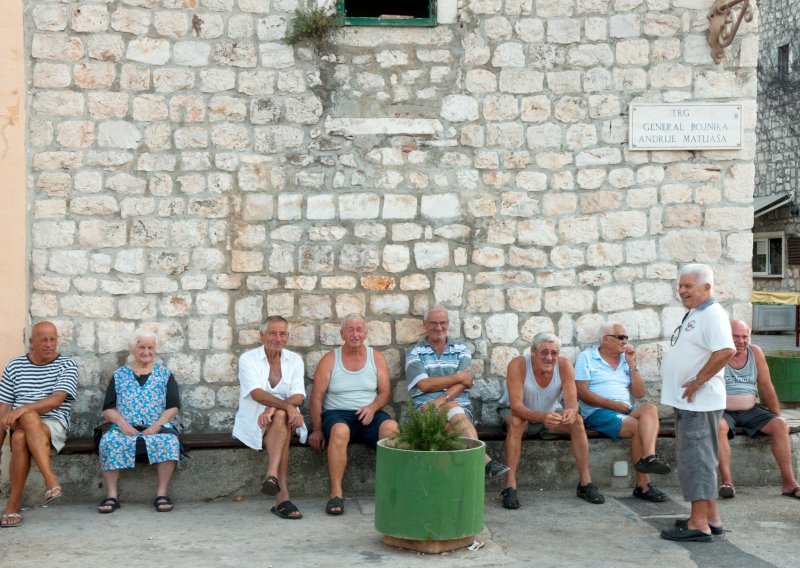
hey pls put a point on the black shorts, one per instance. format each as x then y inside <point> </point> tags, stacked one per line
<point>752,420</point>
<point>358,432</point>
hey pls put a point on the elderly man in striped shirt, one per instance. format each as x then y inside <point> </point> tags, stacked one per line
<point>36,396</point>
<point>438,372</point>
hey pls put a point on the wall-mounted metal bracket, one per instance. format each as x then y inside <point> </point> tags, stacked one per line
<point>722,29</point>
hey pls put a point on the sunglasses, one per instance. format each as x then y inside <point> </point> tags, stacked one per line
<point>677,333</point>
<point>619,336</point>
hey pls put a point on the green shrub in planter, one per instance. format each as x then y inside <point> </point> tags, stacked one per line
<point>429,488</point>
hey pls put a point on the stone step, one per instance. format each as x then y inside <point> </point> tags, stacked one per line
<point>227,472</point>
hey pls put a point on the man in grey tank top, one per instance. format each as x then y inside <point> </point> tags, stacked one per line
<point>351,386</point>
<point>536,385</point>
<point>745,375</point>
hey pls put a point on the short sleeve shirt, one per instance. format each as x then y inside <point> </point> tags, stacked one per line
<point>254,374</point>
<point>613,384</point>
<point>705,330</point>
<point>422,362</point>
<point>24,382</point>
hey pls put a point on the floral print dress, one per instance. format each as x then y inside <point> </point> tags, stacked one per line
<point>139,405</point>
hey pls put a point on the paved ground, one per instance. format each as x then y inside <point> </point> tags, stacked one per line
<point>553,528</point>
<point>771,341</point>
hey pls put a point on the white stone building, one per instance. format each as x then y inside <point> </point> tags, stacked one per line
<point>190,172</point>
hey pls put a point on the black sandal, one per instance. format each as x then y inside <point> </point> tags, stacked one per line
<point>510,498</point>
<point>284,511</point>
<point>163,504</point>
<point>108,502</point>
<point>335,506</point>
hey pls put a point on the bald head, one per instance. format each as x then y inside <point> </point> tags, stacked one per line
<point>741,335</point>
<point>43,342</point>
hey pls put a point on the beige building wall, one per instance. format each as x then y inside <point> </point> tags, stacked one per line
<point>13,276</point>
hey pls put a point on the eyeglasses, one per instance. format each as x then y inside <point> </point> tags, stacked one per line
<point>437,323</point>
<point>544,353</point>
<point>677,333</point>
<point>619,336</point>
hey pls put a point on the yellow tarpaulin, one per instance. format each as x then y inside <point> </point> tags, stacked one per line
<point>775,298</point>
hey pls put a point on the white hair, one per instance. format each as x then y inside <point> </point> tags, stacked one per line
<point>608,327</point>
<point>353,317</point>
<point>434,309</point>
<point>545,337</point>
<point>143,334</point>
<point>702,273</point>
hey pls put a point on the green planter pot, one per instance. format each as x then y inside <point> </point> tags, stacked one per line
<point>430,496</point>
<point>784,370</point>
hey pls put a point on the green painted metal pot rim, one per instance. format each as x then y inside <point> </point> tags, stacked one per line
<point>471,442</point>
<point>783,354</point>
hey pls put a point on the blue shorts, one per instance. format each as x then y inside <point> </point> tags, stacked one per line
<point>358,432</point>
<point>606,421</point>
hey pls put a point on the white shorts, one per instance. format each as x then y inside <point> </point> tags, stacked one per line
<point>58,434</point>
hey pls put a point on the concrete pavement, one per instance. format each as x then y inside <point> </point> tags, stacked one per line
<point>553,528</point>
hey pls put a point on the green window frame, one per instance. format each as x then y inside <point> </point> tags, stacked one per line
<point>345,20</point>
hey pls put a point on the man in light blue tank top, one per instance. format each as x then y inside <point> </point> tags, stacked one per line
<point>541,398</point>
<point>745,375</point>
<point>351,386</point>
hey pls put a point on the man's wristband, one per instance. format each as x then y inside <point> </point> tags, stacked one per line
<point>446,396</point>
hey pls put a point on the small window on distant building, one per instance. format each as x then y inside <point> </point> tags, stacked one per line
<point>386,12</point>
<point>784,55</point>
<point>768,255</point>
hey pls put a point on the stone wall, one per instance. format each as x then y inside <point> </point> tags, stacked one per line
<point>778,131</point>
<point>192,173</point>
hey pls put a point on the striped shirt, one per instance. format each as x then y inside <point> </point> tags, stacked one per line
<point>422,362</point>
<point>25,382</point>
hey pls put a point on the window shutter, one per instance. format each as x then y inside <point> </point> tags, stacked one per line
<point>793,250</point>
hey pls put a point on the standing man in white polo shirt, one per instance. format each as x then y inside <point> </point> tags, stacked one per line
<point>693,383</point>
<point>271,385</point>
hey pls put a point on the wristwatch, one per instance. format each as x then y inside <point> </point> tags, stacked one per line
<point>698,382</point>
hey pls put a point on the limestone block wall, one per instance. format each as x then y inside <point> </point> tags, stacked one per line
<point>778,146</point>
<point>777,131</point>
<point>190,172</point>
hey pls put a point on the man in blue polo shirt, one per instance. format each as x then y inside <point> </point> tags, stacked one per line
<point>606,376</point>
<point>438,372</point>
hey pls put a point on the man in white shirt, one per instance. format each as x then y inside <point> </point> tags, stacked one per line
<point>272,387</point>
<point>692,383</point>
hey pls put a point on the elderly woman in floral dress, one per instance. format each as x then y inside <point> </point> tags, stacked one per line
<point>141,404</point>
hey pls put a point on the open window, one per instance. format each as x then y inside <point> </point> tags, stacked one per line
<point>784,59</point>
<point>386,12</point>
<point>769,255</point>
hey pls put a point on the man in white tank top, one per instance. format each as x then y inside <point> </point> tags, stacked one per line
<point>745,375</point>
<point>351,386</point>
<point>535,385</point>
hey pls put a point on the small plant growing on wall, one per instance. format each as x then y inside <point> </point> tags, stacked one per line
<point>313,25</point>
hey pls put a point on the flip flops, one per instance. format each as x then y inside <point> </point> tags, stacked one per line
<point>794,493</point>
<point>108,506</point>
<point>52,494</point>
<point>6,518</point>
<point>285,510</point>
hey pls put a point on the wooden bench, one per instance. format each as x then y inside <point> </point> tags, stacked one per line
<point>223,440</point>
